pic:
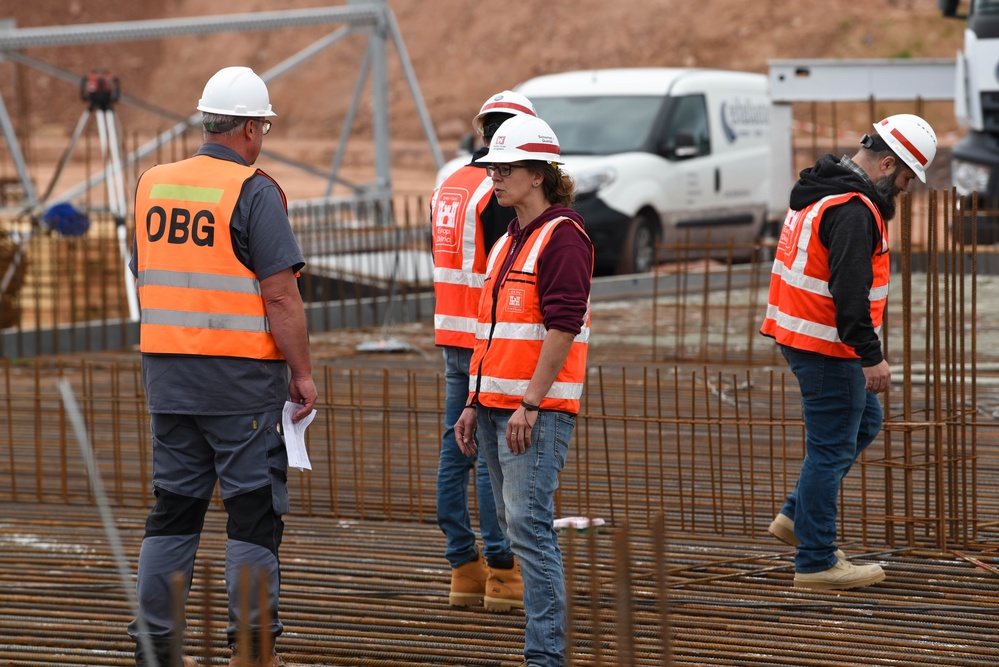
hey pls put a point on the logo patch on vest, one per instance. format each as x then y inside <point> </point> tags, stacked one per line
<point>450,208</point>
<point>515,304</point>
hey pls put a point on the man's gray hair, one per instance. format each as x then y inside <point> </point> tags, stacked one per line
<point>218,123</point>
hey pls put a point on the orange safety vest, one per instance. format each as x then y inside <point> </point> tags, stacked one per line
<point>800,310</point>
<point>459,254</point>
<point>196,296</point>
<point>511,331</point>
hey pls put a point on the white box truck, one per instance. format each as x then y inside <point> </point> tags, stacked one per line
<point>663,155</point>
<point>975,158</point>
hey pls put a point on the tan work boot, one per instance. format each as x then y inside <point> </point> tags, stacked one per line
<point>840,577</point>
<point>468,583</point>
<point>504,589</point>
<point>275,661</point>
<point>236,661</point>
<point>782,527</point>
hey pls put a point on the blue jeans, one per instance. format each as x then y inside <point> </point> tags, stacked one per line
<point>452,477</point>
<point>841,419</point>
<point>524,486</point>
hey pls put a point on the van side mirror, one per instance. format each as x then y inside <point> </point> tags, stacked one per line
<point>684,146</point>
<point>948,8</point>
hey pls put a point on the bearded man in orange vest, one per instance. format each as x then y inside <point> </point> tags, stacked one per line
<point>826,305</point>
<point>224,347</point>
<point>466,221</point>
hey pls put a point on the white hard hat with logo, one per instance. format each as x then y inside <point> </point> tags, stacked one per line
<point>911,138</point>
<point>236,91</point>
<point>507,102</point>
<point>523,138</point>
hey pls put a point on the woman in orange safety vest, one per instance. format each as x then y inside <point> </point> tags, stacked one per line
<point>529,365</point>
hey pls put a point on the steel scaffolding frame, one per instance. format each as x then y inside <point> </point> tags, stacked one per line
<point>369,16</point>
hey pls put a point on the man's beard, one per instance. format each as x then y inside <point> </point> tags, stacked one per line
<point>888,193</point>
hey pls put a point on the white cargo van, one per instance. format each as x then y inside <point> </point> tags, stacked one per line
<point>662,155</point>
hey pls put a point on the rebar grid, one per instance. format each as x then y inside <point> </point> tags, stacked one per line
<point>715,452</point>
<point>375,593</point>
<point>713,449</point>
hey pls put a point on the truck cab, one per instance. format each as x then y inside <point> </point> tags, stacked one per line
<point>975,158</point>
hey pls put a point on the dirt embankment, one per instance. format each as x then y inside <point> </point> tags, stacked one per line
<point>461,51</point>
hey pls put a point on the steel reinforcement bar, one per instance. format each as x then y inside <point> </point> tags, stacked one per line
<point>715,452</point>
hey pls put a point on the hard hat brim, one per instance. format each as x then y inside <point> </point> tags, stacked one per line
<point>514,155</point>
<point>228,112</point>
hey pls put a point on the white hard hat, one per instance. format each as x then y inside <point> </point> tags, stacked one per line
<point>508,102</point>
<point>236,91</point>
<point>911,138</point>
<point>523,138</point>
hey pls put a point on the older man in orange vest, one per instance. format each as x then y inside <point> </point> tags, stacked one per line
<point>825,310</point>
<point>222,328</point>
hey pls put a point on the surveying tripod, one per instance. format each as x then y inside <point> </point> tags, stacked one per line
<point>101,90</point>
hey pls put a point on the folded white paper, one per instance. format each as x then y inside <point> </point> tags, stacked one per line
<point>294,436</point>
<point>577,522</point>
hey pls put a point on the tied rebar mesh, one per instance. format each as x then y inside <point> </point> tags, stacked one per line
<point>711,447</point>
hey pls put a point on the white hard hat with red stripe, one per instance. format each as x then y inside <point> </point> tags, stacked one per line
<point>911,138</point>
<point>508,102</point>
<point>523,138</point>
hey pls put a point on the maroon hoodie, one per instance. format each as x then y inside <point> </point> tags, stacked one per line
<point>565,268</point>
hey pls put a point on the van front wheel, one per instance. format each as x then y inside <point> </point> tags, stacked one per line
<point>638,253</point>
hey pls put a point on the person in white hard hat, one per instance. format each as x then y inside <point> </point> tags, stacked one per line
<point>529,365</point>
<point>224,347</point>
<point>466,221</point>
<point>825,310</point>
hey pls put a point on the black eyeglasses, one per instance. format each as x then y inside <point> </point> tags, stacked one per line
<point>265,125</point>
<point>503,169</point>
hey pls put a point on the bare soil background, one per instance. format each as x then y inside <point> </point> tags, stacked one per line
<point>462,51</point>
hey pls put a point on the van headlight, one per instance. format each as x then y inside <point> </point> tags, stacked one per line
<point>969,177</point>
<point>594,180</point>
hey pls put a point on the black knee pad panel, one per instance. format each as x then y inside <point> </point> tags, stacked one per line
<point>252,519</point>
<point>175,515</point>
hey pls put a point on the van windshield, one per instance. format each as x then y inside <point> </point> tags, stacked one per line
<point>599,125</point>
<point>985,7</point>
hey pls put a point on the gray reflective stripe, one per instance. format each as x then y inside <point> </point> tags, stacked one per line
<point>804,327</point>
<point>458,277</point>
<point>494,253</point>
<point>492,385</point>
<point>532,255</point>
<point>801,256</point>
<point>452,323</point>
<point>514,331</point>
<point>193,320</point>
<point>205,281</point>
<point>807,328</point>
<point>471,224</point>
<point>795,276</point>
<point>800,280</point>
<point>817,286</point>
